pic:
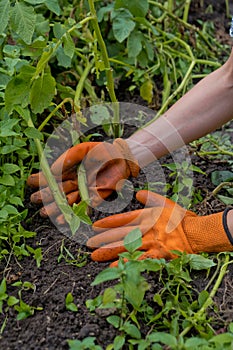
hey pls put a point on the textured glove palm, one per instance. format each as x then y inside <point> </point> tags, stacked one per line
<point>165,227</point>
<point>105,165</point>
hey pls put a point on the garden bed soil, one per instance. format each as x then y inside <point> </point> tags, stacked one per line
<point>51,327</point>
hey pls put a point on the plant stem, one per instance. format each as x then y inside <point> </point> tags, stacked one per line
<point>80,85</point>
<point>209,300</point>
<point>108,69</point>
<point>42,125</point>
<point>220,186</point>
<point>186,10</point>
<point>59,197</point>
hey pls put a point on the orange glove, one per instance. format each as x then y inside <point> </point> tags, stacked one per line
<point>105,164</point>
<point>165,226</point>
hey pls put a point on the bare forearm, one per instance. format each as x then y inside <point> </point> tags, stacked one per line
<point>207,106</point>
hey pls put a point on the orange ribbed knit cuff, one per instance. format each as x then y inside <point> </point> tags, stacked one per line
<point>208,233</point>
<point>128,156</point>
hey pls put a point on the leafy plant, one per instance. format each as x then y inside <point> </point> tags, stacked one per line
<point>181,186</point>
<point>176,307</point>
<point>86,344</point>
<point>7,301</point>
<point>70,305</point>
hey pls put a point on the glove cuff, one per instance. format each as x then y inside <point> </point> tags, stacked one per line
<point>128,156</point>
<point>224,221</point>
<point>208,233</point>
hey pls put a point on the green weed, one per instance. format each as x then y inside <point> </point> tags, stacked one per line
<point>177,309</point>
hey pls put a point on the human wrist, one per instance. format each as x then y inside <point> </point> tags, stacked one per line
<point>228,223</point>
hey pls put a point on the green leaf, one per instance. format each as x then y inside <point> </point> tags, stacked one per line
<point>202,297</point>
<point>42,92</point>
<point>9,168</point>
<point>69,46</point>
<point>199,262</point>
<point>123,24</point>
<point>4,14</point>
<point>132,330</point>
<point>106,275</point>
<point>194,343</point>
<point>69,303</point>
<point>23,20</point>
<point>7,180</point>
<point>217,177</point>
<point>119,341</point>
<point>138,8</point>
<point>222,339</point>
<point>226,200</point>
<point>18,89</point>
<point>146,91</point>
<point>134,44</point>
<point>109,296</point>
<point>99,114</point>
<point>81,211</point>
<point>33,133</point>
<point>133,240</point>
<point>53,5</point>
<point>12,301</point>
<point>163,338</point>
<point>114,320</point>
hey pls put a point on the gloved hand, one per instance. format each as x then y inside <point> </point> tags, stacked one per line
<point>105,165</point>
<point>165,226</point>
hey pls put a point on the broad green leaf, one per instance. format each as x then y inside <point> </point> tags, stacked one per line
<point>58,30</point>
<point>123,24</point>
<point>198,262</point>
<point>69,46</point>
<point>12,301</point>
<point>114,320</point>
<point>138,8</point>
<point>33,133</point>
<point>42,92</point>
<point>222,339</point>
<point>202,297</point>
<point>4,14</point>
<point>63,59</point>
<point>35,2</point>
<point>18,88</point>
<point>23,19</point>
<point>163,338</point>
<point>146,91</point>
<point>226,200</point>
<point>53,5</point>
<point>81,211</point>
<point>109,296</point>
<point>106,275</point>
<point>194,343</point>
<point>135,291</point>
<point>7,180</point>
<point>9,168</point>
<point>132,330</point>
<point>220,176</point>
<point>99,114</point>
<point>119,341</point>
<point>133,240</point>
<point>134,43</point>
<point>6,127</point>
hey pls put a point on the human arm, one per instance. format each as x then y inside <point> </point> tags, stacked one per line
<point>207,106</point>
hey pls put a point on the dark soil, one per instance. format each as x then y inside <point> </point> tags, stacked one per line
<point>51,327</point>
